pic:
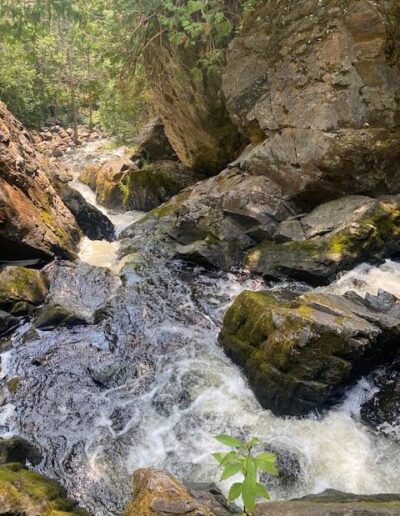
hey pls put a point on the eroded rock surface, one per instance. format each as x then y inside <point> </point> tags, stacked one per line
<point>158,493</point>
<point>314,86</point>
<point>334,237</point>
<point>34,222</point>
<point>300,354</point>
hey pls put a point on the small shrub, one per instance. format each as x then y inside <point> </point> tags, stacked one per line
<point>241,459</point>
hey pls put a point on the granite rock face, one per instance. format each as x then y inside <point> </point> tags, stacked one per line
<point>34,222</point>
<point>314,85</point>
<point>335,236</point>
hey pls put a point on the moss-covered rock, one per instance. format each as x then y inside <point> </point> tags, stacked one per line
<point>155,183</point>
<point>27,493</point>
<point>336,236</point>
<point>300,355</point>
<point>106,179</point>
<point>19,284</point>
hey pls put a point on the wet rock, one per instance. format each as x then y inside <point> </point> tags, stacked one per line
<point>300,355</point>
<point>51,317</point>
<point>16,449</point>
<point>154,184</point>
<point>332,503</point>
<point>93,223</point>
<point>382,411</point>
<point>79,290</point>
<point>106,179</point>
<point>152,144</point>
<point>7,322</point>
<point>18,284</point>
<point>217,220</point>
<point>314,88</point>
<point>334,237</point>
<point>25,493</point>
<point>158,493</point>
<point>34,222</point>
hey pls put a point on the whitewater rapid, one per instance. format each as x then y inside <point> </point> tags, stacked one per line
<point>169,389</point>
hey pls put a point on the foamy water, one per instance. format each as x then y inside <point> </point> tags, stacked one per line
<point>173,389</point>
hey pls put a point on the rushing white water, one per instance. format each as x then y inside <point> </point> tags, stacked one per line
<point>99,252</point>
<point>166,388</point>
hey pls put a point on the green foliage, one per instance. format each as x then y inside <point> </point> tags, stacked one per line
<point>242,460</point>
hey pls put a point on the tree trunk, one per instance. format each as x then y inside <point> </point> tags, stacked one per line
<point>75,118</point>
<point>90,113</point>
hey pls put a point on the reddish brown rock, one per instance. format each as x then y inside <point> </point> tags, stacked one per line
<point>34,222</point>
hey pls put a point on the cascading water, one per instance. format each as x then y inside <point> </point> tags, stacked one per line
<point>149,386</point>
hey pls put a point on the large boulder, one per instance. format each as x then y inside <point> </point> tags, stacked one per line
<point>93,223</point>
<point>34,222</point>
<point>334,237</point>
<point>155,183</point>
<point>27,493</point>
<point>216,221</point>
<point>106,179</point>
<point>314,86</point>
<point>121,184</point>
<point>22,285</point>
<point>300,354</point>
<point>187,95</point>
<point>156,493</point>
<point>152,144</point>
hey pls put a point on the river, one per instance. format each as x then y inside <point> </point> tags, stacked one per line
<point>149,385</point>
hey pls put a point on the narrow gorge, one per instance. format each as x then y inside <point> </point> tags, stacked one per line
<point>233,268</point>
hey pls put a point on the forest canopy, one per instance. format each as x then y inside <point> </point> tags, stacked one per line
<point>83,59</point>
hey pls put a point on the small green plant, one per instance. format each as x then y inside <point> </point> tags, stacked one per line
<point>243,460</point>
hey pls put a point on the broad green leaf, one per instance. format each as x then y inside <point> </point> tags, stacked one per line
<point>262,491</point>
<point>229,457</point>
<point>251,469</point>
<point>235,491</point>
<point>249,494</point>
<point>267,463</point>
<point>219,457</point>
<point>230,441</point>
<point>231,470</point>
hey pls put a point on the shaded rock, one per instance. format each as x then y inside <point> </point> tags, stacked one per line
<point>34,222</point>
<point>77,291</point>
<point>93,223</point>
<point>7,322</point>
<point>26,493</point>
<point>333,503</point>
<point>216,221</point>
<point>314,87</point>
<point>187,95</point>
<point>152,144</point>
<point>106,179</point>
<point>158,493</point>
<point>300,355</point>
<point>18,284</point>
<point>382,411</point>
<point>334,237</point>
<point>51,317</point>
<point>16,449</point>
<point>154,184</point>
